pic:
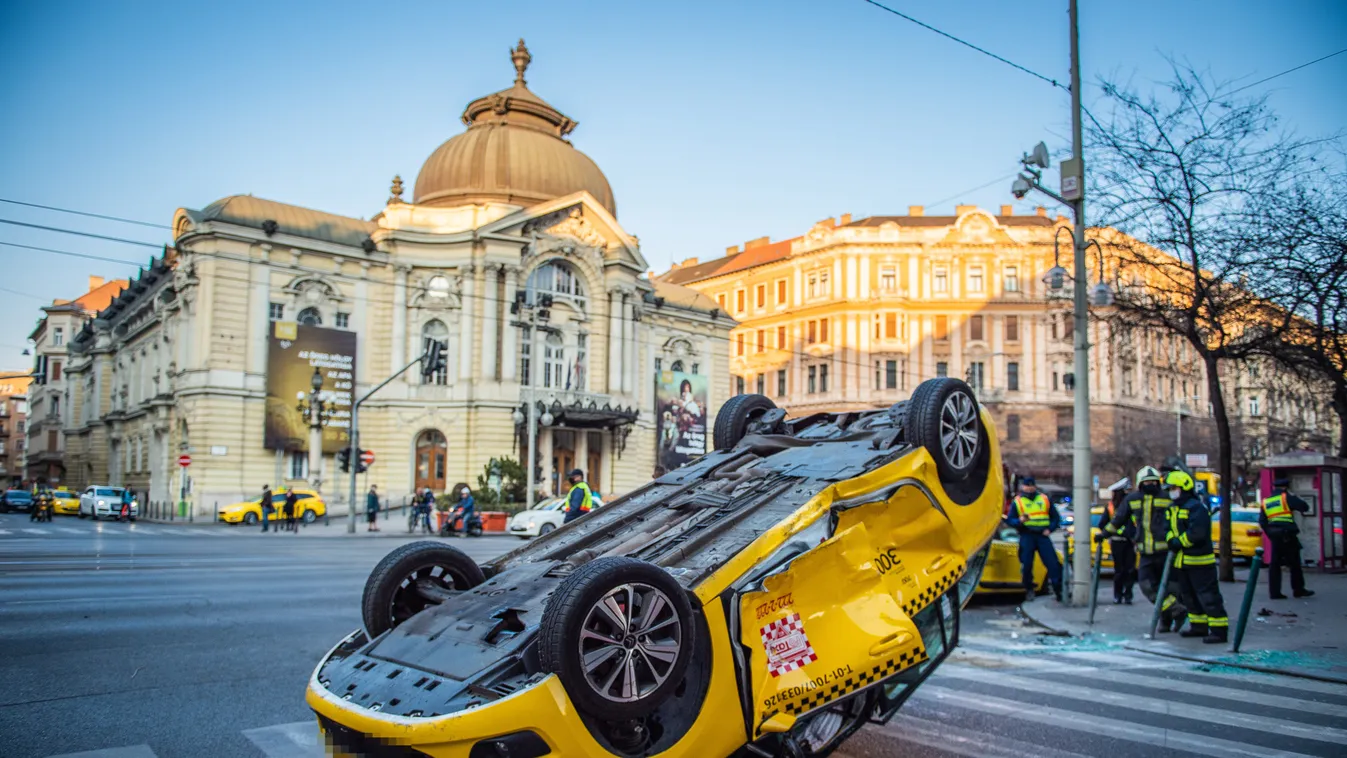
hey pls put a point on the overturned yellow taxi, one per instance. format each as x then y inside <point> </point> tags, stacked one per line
<point>769,598</point>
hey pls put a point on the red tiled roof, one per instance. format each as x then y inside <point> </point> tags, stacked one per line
<point>100,297</point>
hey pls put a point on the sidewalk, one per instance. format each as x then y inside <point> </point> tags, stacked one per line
<point>337,528</point>
<point>1305,637</point>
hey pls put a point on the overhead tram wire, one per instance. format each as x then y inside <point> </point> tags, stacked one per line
<point>85,213</point>
<point>968,44</point>
<point>1287,71</point>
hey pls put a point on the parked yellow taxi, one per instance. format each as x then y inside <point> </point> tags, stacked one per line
<point>1245,534</point>
<point>65,503</point>
<point>1001,575</point>
<point>310,504</point>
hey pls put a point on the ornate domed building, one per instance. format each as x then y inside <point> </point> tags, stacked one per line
<point>212,350</point>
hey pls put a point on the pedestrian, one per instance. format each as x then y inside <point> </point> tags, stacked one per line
<point>1146,511</point>
<point>427,505</point>
<point>580,499</point>
<point>1189,538</point>
<point>1121,547</point>
<point>291,505</point>
<point>372,510</point>
<point>1277,518</point>
<point>265,505</point>
<point>1036,518</point>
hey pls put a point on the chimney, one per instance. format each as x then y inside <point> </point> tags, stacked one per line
<point>95,282</point>
<point>1007,210</point>
<point>731,250</point>
<point>689,262</point>
<point>916,210</point>
<point>1040,210</point>
<point>759,242</point>
<point>846,219</point>
<point>959,210</point>
<point>1062,219</point>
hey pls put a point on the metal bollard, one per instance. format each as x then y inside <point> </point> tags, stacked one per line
<point>215,512</point>
<point>1161,593</point>
<point>1068,572</point>
<point>1094,580</point>
<point>191,512</point>
<point>1250,587</point>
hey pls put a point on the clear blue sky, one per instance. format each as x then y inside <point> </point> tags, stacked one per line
<point>715,122</point>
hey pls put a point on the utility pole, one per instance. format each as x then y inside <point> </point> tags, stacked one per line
<point>534,317</point>
<point>1081,482</point>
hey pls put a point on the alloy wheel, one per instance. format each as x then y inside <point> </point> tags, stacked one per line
<point>630,642</point>
<point>959,429</point>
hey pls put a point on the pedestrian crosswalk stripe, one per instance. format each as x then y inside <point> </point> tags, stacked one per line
<point>4,531</point>
<point>1151,705</point>
<point>131,751</point>
<point>948,738</point>
<point>35,531</point>
<point>68,530</point>
<point>1102,675</point>
<point>295,740</point>
<point>1280,682</point>
<point>1110,726</point>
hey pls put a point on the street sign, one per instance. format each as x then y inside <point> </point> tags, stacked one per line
<point>184,460</point>
<point>1195,460</point>
<point>367,457</point>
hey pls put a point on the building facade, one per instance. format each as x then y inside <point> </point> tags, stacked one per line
<point>13,419</point>
<point>855,313</point>
<point>504,216</point>
<point>49,394</point>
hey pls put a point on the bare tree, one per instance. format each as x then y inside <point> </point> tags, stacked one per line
<point>1189,175</point>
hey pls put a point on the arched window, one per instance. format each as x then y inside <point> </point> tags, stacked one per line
<point>437,287</point>
<point>310,317</point>
<point>677,366</point>
<point>556,278</point>
<point>436,330</point>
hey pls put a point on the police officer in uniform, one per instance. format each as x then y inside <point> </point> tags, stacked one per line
<point>1036,518</point>
<point>1189,537</point>
<point>580,499</point>
<point>1278,521</point>
<point>1146,510</point>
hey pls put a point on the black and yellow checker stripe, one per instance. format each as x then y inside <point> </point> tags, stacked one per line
<point>843,687</point>
<point>932,591</point>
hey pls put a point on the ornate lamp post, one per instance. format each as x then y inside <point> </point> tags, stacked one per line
<point>316,409</point>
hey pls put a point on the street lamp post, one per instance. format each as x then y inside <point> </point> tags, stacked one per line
<point>535,317</point>
<point>1073,195</point>
<point>316,410</point>
<point>1178,424</point>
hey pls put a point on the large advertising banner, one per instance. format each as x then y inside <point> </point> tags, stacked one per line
<point>680,417</point>
<point>293,352</point>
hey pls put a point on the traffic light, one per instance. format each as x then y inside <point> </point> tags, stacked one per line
<point>435,359</point>
<point>344,459</point>
<point>360,466</point>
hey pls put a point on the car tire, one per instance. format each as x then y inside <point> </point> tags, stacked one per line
<point>734,417</point>
<point>546,529</point>
<point>390,599</point>
<point>579,623</point>
<point>250,519</point>
<point>308,517</point>
<point>946,405</point>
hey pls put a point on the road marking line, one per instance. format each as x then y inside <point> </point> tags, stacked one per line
<point>295,740</point>
<point>1282,682</point>
<point>953,739</point>
<point>36,531</point>
<point>1154,705</point>
<point>1090,724</point>
<point>4,531</point>
<point>68,530</point>
<point>131,751</point>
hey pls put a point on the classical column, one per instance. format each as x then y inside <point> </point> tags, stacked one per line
<point>490,340</point>
<point>545,457</point>
<point>259,317</point>
<point>582,457</point>
<point>629,357</point>
<point>468,273</point>
<point>399,316</point>
<point>510,341</point>
<point>614,341</point>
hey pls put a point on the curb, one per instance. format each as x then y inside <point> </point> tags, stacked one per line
<point>1062,632</point>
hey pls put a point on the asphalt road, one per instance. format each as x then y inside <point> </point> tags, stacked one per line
<point>154,641</point>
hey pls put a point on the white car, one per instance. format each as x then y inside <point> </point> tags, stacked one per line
<point>97,502</point>
<point>542,518</point>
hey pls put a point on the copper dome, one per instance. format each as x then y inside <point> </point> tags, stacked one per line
<point>514,151</point>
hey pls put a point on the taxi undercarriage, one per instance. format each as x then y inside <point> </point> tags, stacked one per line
<point>768,598</point>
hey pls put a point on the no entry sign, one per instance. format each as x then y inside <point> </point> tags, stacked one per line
<point>184,460</point>
<point>367,457</point>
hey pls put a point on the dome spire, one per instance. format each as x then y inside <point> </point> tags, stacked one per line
<point>521,58</point>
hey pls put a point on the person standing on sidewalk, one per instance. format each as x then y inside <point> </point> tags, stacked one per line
<point>1146,510</point>
<point>1277,517</point>
<point>372,510</point>
<point>1189,537</point>
<point>427,506</point>
<point>291,505</point>
<point>1121,545</point>
<point>1035,518</point>
<point>265,505</point>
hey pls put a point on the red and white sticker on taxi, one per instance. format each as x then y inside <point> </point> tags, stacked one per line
<point>787,645</point>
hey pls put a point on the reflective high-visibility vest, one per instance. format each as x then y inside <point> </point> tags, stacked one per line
<point>1277,510</point>
<point>1034,513</point>
<point>586,503</point>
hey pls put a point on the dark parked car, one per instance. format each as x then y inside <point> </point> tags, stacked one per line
<point>16,500</point>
